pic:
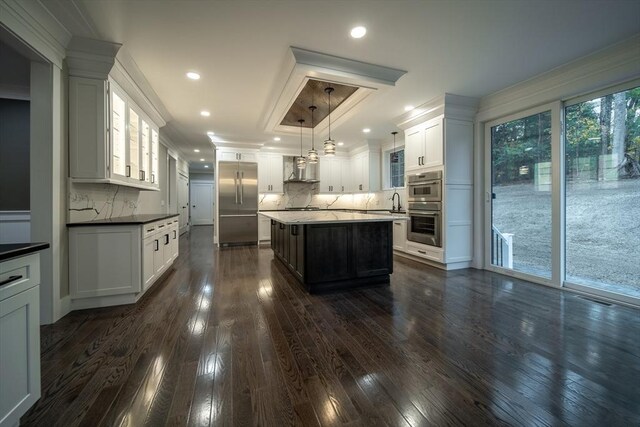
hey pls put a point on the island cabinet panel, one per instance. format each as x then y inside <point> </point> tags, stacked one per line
<point>335,255</point>
<point>373,248</point>
<point>329,255</point>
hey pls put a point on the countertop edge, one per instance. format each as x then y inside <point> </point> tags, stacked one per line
<point>26,250</point>
<point>374,218</point>
<point>113,222</point>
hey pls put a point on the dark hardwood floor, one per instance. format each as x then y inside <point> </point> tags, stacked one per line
<point>230,338</point>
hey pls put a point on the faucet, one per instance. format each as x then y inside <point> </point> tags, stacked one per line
<point>393,201</point>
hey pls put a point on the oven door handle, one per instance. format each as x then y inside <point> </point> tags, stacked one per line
<point>417,183</point>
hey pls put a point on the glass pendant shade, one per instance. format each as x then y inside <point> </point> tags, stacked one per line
<point>329,147</point>
<point>312,156</point>
<point>301,162</point>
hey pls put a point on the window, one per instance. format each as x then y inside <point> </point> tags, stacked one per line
<point>395,167</point>
<point>602,193</point>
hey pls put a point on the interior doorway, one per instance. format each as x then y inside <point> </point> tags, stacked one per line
<point>183,202</point>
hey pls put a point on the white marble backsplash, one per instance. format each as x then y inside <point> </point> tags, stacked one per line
<point>101,201</point>
<point>306,195</point>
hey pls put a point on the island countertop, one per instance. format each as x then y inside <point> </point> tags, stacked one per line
<point>327,217</point>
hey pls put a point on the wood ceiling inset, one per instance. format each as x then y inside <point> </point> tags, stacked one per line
<point>313,94</point>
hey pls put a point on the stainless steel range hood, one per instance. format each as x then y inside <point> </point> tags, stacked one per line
<point>308,175</point>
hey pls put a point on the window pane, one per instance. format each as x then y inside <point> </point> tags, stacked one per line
<point>396,166</point>
<point>602,147</point>
<point>521,202</point>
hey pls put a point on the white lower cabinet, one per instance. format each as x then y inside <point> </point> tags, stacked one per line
<point>116,264</point>
<point>19,337</point>
<point>400,235</point>
<point>264,228</point>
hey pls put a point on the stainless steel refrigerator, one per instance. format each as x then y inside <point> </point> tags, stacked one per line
<point>238,202</point>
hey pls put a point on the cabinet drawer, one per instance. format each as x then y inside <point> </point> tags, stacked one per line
<point>20,274</point>
<point>424,251</point>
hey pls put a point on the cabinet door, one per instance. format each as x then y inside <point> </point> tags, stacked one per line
<point>273,227</point>
<point>346,184</point>
<point>175,241</point>
<point>118,134</point>
<point>19,354</point>
<point>264,173</point>
<point>433,144</point>
<point>148,270</point>
<point>247,157</point>
<point>276,164</point>
<point>167,247</point>
<point>145,151</point>
<point>227,156</point>
<point>326,180</point>
<point>292,236</point>
<point>413,149</point>
<point>264,229</point>
<point>400,235</point>
<point>357,171</point>
<point>133,161</point>
<point>158,253</point>
<point>154,178</point>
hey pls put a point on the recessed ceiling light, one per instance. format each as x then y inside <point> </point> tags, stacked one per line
<point>206,166</point>
<point>196,150</point>
<point>193,75</point>
<point>358,32</point>
<point>202,160</point>
<point>277,138</point>
<point>340,143</point>
<point>366,130</point>
<point>409,108</point>
<point>205,113</point>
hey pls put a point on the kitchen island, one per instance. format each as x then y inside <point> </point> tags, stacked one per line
<point>327,250</point>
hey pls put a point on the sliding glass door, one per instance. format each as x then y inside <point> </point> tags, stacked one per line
<point>521,193</point>
<point>602,187</point>
<point>563,207</point>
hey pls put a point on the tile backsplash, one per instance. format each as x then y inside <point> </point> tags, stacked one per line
<point>305,195</point>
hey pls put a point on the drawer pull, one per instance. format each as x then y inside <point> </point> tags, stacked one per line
<point>10,279</point>
<point>422,252</point>
<point>150,230</point>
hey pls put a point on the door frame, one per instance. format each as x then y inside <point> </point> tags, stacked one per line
<point>557,195</point>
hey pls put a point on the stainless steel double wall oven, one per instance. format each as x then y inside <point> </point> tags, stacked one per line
<point>425,208</point>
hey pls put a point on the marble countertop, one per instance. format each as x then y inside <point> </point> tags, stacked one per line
<point>12,250</point>
<point>327,217</point>
<point>124,220</point>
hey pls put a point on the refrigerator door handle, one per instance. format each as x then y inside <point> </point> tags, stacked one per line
<point>235,185</point>
<point>241,187</point>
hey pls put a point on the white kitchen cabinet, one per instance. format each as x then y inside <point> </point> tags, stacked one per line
<point>335,175</point>
<point>111,140</point>
<point>19,337</point>
<point>400,235</point>
<point>234,155</point>
<point>116,264</point>
<point>365,172</point>
<point>264,229</point>
<point>270,173</point>
<point>424,145</point>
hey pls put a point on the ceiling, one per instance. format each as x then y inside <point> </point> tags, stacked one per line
<point>239,47</point>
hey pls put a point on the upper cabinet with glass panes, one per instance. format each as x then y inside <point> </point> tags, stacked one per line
<point>111,139</point>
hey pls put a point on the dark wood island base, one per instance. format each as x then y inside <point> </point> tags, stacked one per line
<point>332,256</point>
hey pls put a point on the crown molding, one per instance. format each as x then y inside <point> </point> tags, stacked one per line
<point>34,24</point>
<point>91,58</point>
<point>450,105</point>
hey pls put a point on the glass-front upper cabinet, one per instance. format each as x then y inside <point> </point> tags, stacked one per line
<point>134,144</point>
<point>145,147</point>
<point>154,156</point>
<point>118,134</point>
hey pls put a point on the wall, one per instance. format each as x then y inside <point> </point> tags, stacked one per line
<point>14,155</point>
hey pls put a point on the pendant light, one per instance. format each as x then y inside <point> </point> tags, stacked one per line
<point>394,155</point>
<point>329,144</point>
<point>301,162</point>
<point>312,156</point>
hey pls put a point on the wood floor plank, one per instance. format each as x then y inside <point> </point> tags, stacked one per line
<point>229,337</point>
